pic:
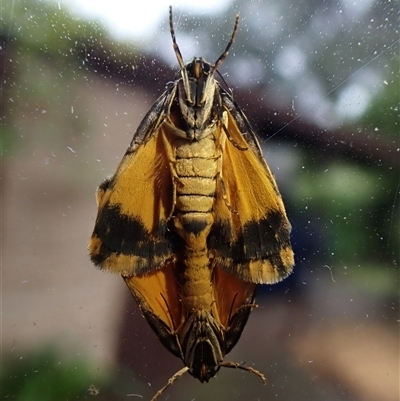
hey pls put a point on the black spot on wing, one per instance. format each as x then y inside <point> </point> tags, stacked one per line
<point>105,184</point>
<point>220,236</point>
<point>121,234</point>
<point>264,237</point>
<point>260,239</point>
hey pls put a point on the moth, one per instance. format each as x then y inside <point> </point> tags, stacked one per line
<point>193,219</point>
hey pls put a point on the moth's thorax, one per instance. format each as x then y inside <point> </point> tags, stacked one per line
<point>197,99</point>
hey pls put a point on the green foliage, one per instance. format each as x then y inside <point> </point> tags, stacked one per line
<point>357,205</point>
<point>46,28</point>
<point>45,375</point>
<point>46,50</point>
<point>383,113</point>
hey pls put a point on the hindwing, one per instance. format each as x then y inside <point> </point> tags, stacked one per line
<point>157,294</point>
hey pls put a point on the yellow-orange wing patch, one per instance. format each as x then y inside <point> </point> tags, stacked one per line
<point>253,237</point>
<point>235,299</point>
<point>130,235</point>
<point>157,295</point>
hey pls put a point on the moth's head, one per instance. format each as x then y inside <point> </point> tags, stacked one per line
<point>196,91</point>
<point>204,360</point>
<point>202,345</point>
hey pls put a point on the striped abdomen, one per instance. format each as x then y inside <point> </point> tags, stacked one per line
<point>196,168</point>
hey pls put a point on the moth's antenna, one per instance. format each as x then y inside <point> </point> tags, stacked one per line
<point>176,47</point>
<point>223,56</point>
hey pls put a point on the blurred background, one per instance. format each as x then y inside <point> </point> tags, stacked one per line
<point>319,81</point>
